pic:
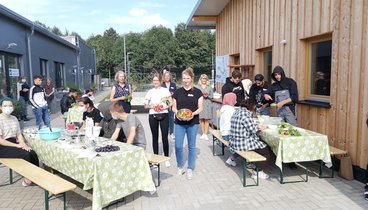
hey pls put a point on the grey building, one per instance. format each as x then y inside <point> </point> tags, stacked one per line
<point>27,49</point>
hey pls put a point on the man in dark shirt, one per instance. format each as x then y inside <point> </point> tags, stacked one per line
<point>256,93</point>
<point>233,85</point>
<point>67,101</point>
<point>24,97</point>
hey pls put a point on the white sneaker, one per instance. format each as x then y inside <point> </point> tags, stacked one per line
<point>202,137</point>
<point>206,137</point>
<point>189,174</point>
<point>172,136</point>
<point>231,162</point>
<point>167,164</point>
<point>180,172</point>
<point>261,175</point>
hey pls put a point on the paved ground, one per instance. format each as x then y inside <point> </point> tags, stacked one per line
<point>214,186</point>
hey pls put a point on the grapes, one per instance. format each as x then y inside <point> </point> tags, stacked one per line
<point>108,148</point>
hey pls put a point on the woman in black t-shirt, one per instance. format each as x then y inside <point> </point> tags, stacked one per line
<point>187,97</point>
<point>86,106</point>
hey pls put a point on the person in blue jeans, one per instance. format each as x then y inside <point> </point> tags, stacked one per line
<point>187,97</point>
<point>38,102</point>
<point>171,86</point>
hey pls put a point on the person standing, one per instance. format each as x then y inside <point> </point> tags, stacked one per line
<point>284,92</point>
<point>38,102</point>
<point>256,93</point>
<point>12,144</point>
<point>49,91</point>
<point>233,85</point>
<point>158,100</point>
<point>206,115</point>
<point>171,86</point>
<point>24,97</point>
<point>121,91</point>
<point>187,97</point>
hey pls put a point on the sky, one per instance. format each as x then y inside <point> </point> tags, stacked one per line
<point>92,17</point>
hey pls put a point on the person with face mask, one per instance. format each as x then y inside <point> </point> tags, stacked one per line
<point>86,106</point>
<point>12,143</point>
<point>24,97</point>
<point>130,124</point>
<point>67,101</point>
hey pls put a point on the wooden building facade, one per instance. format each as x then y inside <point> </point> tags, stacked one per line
<point>310,39</point>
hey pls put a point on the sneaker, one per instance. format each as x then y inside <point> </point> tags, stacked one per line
<point>189,174</point>
<point>202,137</point>
<point>181,171</point>
<point>172,136</point>
<point>366,195</point>
<point>167,164</point>
<point>231,162</point>
<point>26,183</point>
<point>261,175</point>
<point>206,137</point>
<point>251,166</point>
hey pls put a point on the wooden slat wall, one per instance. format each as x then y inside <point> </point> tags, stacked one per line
<point>246,25</point>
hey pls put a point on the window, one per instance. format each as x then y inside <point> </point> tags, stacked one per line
<point>267,65</point>
<point>320,68</point>
<point>59,75</point>
<point>43,68</point>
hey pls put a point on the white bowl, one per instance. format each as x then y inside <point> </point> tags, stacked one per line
<point>273,127</point>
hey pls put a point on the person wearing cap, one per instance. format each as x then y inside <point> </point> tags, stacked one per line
<point>68,100</point>
<point>256,93</point>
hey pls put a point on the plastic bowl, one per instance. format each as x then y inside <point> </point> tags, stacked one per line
<point>181,114</point>
<point>46,134</point>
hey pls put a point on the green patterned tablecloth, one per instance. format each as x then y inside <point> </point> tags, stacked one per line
<point>74,115</point>
<point>112,176</point>
<point>308,147</point>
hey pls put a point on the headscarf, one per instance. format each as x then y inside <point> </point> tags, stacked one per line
<point>246,84</point>
<point>229,99</point>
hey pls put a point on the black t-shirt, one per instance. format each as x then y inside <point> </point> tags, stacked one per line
<point>95,115</point>
<point>187,99</point>
<point>26,93</point>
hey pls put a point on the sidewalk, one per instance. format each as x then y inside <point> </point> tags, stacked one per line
<point>215,185</point>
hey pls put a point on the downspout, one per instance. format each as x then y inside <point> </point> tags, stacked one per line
<point>29,53</point>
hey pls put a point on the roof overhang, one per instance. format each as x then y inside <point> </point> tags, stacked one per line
<point>205,13</point>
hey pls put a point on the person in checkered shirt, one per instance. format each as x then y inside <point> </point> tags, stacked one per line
<point>244,135</point>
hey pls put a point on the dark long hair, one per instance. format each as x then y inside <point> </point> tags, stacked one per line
<point>249,104</point>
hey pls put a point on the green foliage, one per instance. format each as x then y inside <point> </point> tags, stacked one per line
<point>74,86</point>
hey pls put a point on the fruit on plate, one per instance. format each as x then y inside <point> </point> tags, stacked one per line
<point>205,94</point>
<point>184,114</point>
<point>158,107</point>
<point>289,131</point>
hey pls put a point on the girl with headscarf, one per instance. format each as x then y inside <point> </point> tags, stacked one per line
<point>227,110</point>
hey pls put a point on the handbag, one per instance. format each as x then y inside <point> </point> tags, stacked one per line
<point>346,169</point>
<point>159,117</point>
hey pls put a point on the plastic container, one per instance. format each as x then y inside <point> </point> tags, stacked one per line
<point>46,134</point>
<point>272,120</point>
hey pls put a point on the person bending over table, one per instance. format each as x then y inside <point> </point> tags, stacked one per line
<point>244,136</point>
<point>131,125</point>
<point>86,106</point>
<point>12,143</point>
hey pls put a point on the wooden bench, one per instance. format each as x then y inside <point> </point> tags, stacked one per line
<point>333,152</point>
<point>51,183</point>
<point>248,156</point>
<point>157,160</point>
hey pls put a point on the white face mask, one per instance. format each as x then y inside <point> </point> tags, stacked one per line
<point>23,80</point>
<point>82,109</point>
<point>114,117</point>
<point>7,110</point>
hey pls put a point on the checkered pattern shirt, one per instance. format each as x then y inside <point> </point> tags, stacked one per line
<point>243,132</point>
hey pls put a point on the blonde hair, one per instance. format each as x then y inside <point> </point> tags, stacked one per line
<point>188,71</point>
<point>169,73</point>
<point>118,73</point>
<point>158,75</point>
<point>203,76</point>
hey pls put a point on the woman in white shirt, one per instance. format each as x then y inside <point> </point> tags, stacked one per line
<point>158,100</point>
<point>226,112</point>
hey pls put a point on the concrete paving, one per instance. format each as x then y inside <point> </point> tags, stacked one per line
<point>214,186</point>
